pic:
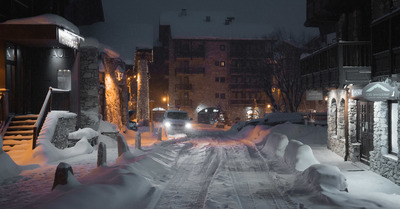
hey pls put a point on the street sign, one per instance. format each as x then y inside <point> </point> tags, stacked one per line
<point>378,91</point>
<point>312,95</point>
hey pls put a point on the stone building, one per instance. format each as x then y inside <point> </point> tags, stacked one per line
<point>213,63</point>
<point>361,126</point>
<point>104,92</point>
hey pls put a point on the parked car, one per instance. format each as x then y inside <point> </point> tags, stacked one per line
<point>176,121</point>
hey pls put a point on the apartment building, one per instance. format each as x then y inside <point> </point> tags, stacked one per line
<point>213,64</point>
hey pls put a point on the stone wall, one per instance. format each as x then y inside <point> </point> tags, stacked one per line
<point>354,147</point>
<point>381,162</point>
<point>89,83</point>
<point>143,110</point>
<point>63,128</point>
<point>336,122</point>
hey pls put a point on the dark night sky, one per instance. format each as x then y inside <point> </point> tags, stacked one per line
<point>131,23</point>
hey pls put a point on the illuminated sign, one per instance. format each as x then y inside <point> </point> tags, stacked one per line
<point>312,95</point>
<point>378,91</point>
<point>68,38</point>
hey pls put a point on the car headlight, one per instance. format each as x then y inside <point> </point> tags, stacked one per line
<point>188,125</point>
<point>167,124</point>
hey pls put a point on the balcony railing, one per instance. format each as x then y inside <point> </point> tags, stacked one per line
<point>245,102</point>
<point>183,70</point>
<point>186,86</point>
<point>338,64</point>
<point>183,103</point>
<point>243,86</point>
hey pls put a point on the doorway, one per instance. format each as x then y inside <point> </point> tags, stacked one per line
<point>365,129</point>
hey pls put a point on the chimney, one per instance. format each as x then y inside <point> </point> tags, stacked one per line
<point>208,18</point>
<point>228,20</point>
<point>183,12</point>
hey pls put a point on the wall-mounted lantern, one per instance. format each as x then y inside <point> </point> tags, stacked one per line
<point>119,73</point>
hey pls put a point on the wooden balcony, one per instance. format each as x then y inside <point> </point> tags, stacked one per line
<point>337,65</point>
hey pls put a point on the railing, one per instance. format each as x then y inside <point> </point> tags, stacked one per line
<point>184,102</point>
<point>342,62</point>
<point>186,86</point>
<point>183,70</point>
<point>46,108</point>
<point>3,109</point>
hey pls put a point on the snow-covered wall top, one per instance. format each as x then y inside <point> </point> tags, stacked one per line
<point>44,19</point>
<point>211,25</point>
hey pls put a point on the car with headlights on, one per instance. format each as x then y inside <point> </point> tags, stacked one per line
<point>176,121</point>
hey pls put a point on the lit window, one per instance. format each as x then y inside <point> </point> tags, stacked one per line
<point>222,63</point>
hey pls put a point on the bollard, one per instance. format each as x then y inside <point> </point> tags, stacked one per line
<point>138,140</point>
<point>122,145</point>
<point>61,176</point>
<point>159,134</point>
<point>101,155</point>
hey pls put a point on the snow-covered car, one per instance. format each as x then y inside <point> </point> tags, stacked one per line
<point>176,121</point>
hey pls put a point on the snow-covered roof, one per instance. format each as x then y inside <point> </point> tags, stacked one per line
<point>45,19</point>
<point>211,25</point>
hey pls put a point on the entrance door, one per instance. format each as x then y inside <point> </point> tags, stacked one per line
<point>365,129</point>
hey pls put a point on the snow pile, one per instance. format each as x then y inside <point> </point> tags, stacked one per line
<point>45,19</point>
<point>325,177</point>
<point>275,145</point>
<point>46,152</point>
<point>299,156</point>
<point>278,118</point>
<point>7,165</point>
<point>84,132</point>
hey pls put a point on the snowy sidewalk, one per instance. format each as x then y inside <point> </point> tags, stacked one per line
<point>359,178</point>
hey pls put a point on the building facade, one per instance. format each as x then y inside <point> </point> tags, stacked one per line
<point>358,55</point>
<point>211,68</point>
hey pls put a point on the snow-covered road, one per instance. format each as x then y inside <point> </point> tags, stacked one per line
<point>212,175</point>
<point>256,167</point>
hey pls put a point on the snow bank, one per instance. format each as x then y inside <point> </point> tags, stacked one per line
<point>278,118</point>
<point>306,134</point>
<point>275,145</point>
<point>8,167</point>
<point>325,177</point>
<point>84,132</point>
<point>299,156</point>
<point>46,152</point>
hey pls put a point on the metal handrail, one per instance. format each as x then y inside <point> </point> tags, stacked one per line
<point>42,115</point>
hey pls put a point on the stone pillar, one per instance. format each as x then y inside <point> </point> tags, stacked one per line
<point>352,134</point>
<point>380,135</point>
<point>89,82</point>
<point>143,111</point>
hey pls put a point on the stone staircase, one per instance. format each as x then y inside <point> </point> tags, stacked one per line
<point>19,135</point>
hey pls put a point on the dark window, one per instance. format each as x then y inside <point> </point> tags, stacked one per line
<point>216,95</point>
<point>222,80</point>
<point>222,47</point>
<point>216,79</point>
<point>222,96</point>
<point>216,63</point>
